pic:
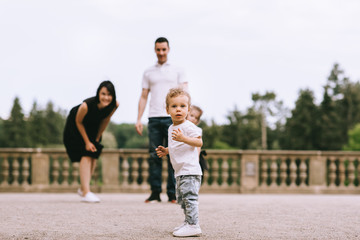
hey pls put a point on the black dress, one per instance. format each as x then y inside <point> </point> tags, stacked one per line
<point>73,141</point>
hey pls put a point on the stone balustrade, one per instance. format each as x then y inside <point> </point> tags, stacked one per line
<point>230,171</point>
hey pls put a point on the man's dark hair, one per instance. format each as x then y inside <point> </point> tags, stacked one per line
<point>161,40</point>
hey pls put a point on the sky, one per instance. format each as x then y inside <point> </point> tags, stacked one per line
<point>60,51</point>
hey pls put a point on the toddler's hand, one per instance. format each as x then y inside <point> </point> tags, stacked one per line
<point>177,135</point>
<point>161,151</point>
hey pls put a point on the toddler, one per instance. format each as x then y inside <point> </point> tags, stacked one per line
<point>184,141</point>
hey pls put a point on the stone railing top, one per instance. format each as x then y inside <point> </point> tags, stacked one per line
<point>209,151</point>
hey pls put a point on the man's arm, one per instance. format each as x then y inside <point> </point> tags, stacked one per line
<point>141,108</point>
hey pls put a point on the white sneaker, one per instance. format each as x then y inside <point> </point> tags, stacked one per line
<point>180,226</point>
<point>80,192</point>
<point>90,198</point>
<point>188,231</point>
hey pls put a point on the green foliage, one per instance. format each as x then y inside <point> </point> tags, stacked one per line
<point>329,127</point>
<point>36,124</point>
<point>354,139</point>
<point>302,127</point>
<point>54,124</point>
<point>211,134</point>
<point>222,145</point>
<point>15,128</point>
<point>2,133</point>
<point>340,109</point>
<point>127,137</point>
<point>243,130</point>
<point>43,128</point>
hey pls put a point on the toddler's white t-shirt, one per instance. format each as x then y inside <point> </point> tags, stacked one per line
<point>184,158</point>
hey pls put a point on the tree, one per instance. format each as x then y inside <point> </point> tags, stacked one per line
<point>330,125</point>
<point>54,124</point>
<point>15,128</point>
<point>243,130</point>
<point>267,106</point>
<point>37,126</point>
<point>2,134</point>
<point>126,136</point>
<point>354,139</point>
<point>212,136</point>
<point>345,96</point>
<point>302,128</point>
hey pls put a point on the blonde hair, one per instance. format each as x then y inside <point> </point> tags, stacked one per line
<point>197,109</point>
<point>175,92</point>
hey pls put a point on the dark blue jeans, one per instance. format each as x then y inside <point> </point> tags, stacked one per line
<point>158,135</point>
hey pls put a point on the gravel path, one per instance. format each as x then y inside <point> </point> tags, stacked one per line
<point>222,216</point>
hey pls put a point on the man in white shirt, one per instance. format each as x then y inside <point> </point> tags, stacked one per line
<point>158,80</point>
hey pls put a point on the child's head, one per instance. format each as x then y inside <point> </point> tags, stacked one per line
<point>178,103</point>
<point>195,114</point>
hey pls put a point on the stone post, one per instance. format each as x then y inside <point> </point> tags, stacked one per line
<point>317,173</point>
<point>110,172</point>
<point>249,172</point>
<point>40,170</point>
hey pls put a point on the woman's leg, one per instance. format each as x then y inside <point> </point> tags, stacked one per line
<point>93,166</point>
<point>85,174</point>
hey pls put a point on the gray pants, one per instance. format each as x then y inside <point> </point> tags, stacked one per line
<point>187,194</point>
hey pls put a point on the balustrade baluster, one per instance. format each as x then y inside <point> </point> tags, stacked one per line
<point>264,172</point>
<point>231,180</point>
<point>332,172</point>
<point>351,172</point>
<point>303,174</point>
<point>145,173</point>
<point>215,173</point>
<point>236,169</point>
<point>75,174</point>
<point>342,171</point>
<point>283,173</point>
<point>5,171</point>
<point>135,171</point>
<point>125,172</point>
<point>15,172</point>
<point>55,172</point>
<point>65,172</point>
<point>25,171</point>
<point>356,172</point>
<point>293,174</point>
<point>273,173</point>
<point>225,172</point>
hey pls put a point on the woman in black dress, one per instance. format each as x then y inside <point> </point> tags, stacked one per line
<point>83,130</point>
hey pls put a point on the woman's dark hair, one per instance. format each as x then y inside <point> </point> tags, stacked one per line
<point>110,87</point>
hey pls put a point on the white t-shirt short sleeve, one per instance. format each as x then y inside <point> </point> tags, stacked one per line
<point>159,79</point>
<point>184,158</point>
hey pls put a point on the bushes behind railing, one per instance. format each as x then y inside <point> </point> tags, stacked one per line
<point>236,171</point>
